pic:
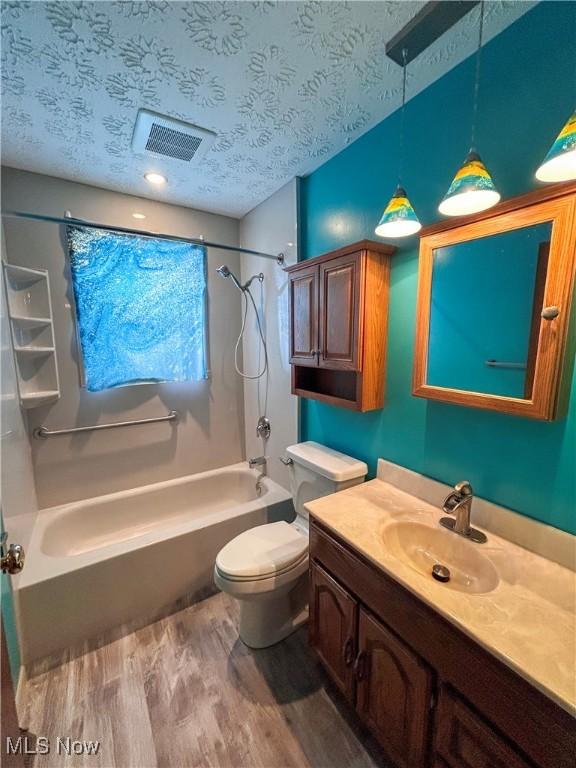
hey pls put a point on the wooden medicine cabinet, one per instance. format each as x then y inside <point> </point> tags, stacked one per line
<point>338,305</point>
<point>493,327</point>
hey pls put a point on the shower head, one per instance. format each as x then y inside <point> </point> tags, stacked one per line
<point>224,271</point>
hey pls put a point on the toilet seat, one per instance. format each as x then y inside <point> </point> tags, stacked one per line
<point>265,552</point>
<point>274,584</point>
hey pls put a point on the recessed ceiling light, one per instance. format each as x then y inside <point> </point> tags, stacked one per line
<point>138,216</point>
<point>155,178</point>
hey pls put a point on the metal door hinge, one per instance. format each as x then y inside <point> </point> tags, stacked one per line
<point>11,561</point>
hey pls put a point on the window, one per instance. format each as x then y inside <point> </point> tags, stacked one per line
<point>140,305</point>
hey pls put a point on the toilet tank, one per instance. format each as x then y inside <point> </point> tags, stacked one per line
<point>318,471</point>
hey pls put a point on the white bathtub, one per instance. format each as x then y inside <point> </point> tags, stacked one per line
<point>96,564</point>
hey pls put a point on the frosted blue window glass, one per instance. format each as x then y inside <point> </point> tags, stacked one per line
<point>140,305</point>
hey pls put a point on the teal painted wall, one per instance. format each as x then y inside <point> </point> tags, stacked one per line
<point>527,92</point>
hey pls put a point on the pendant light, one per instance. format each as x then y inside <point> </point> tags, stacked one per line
<point>560,162</point>
<point>472,189</point>
<point>399,218</point>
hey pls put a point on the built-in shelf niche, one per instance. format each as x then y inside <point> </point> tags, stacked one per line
<point>32,331</point>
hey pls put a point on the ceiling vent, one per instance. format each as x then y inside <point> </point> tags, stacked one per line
<point>167,137</point>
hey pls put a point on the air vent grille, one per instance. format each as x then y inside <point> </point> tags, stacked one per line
<point>166,141</point>
<point>172,139</point>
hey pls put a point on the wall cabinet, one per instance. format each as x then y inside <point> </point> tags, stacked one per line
<point>338,322</point>
<point>429,694</point>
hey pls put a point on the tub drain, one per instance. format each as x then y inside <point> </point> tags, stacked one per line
<point>441,573</point>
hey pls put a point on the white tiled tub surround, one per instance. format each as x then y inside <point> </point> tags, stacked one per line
<point>546,541</point>
<point>97,564</point>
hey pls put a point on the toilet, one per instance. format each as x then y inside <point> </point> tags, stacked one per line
<point>266,568</point>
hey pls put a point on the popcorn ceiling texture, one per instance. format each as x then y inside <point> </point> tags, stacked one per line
<point>285,85</point>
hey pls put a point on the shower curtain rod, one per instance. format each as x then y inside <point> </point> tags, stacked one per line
<point>71,221</point>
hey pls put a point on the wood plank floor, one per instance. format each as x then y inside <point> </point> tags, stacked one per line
<point>185,692</point>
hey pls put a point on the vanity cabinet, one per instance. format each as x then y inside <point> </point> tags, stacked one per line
<point>393,692</point>
<point>432,697</point>
<point>464,740</point>
<point>338,306</point>
<point>334,628</point>
<point>388,684</point>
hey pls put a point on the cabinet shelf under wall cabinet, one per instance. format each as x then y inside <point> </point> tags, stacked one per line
<point>338,322</point>
<point>32,332</point>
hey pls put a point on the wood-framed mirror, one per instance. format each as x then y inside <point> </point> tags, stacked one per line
<point>494,327</point>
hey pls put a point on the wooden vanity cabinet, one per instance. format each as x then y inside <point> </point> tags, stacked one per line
<point>338,306</point>
<point>464,740</point>
<point>332,633</point>
<point>432,697</point>
<point>387,683</point>
<point>393,692</point>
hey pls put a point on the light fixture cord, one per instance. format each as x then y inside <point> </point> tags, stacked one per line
<point>477,79</point>
<point>401,159</point>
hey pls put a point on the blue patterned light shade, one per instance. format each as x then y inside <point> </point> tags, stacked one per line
<point>472,189</point>
<point>560,162</point>
<point>140,305</point>
<point>399,218</point>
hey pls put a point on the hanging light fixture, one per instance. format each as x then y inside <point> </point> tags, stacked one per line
<point>472,189</point>
<point>399,218</point>
<point>560,162</point>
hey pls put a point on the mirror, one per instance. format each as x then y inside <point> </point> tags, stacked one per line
<point>485,311</point>
<point>493,307</point>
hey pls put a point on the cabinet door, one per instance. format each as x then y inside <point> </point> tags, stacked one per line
<point>464,740</point>
<point>394,693</point>
<point>340,313</point>
<point>333,616</point>
<point>303,305</point>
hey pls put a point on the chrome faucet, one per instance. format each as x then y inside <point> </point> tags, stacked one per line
<point>259,461</point>
<point>459,504</point>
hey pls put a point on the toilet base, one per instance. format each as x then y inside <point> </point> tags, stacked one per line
<point>265,621</point>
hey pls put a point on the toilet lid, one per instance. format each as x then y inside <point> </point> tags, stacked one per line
<point>262,551</point>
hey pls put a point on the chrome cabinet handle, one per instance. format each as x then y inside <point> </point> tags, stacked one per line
<point>287,462</point>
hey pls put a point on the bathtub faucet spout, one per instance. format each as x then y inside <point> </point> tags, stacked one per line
<point>259,461</point>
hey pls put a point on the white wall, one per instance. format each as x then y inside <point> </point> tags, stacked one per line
<point>271,227</point>
<point>211,431</point>
<point>18,499</point>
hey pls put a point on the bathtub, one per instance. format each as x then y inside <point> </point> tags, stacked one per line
<point>100,564</point>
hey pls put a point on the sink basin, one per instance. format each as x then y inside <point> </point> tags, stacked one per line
<point>422,547</point>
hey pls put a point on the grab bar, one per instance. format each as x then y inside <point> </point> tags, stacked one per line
<point>41,433</point>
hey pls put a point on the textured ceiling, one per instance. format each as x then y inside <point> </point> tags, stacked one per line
<point>285,85</point>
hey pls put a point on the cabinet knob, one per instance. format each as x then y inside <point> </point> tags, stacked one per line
<point>550,313</point>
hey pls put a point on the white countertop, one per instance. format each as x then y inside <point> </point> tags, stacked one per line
<point>528,621</point>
